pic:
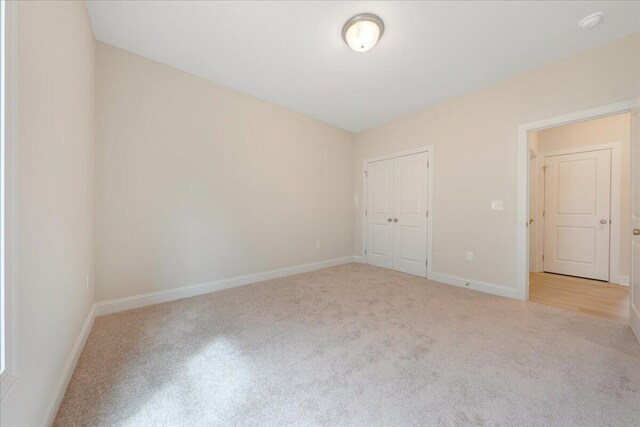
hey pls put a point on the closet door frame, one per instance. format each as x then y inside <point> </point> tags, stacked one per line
<point>365,163</point>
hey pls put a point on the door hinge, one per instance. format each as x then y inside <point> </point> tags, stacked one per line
<point>365,251</point>
<point>426,263</point>
<point>543,213</point>
<point>366,213</point>
<point>543,257</point>
<point>544,169</point>
<point>427,214</point>
<point>366,173</point>
<point>427,165</point>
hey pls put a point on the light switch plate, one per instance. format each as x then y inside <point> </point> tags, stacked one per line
<point>496,205</point>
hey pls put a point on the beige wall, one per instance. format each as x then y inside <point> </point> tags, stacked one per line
<point>474,138</point>
<point>594,132</point>
<point>616,128</point>
<point>196,182</point>
<point>55,162</point>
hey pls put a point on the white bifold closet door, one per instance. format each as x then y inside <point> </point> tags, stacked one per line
<point>380,213</point>
<point>577,209</point>
<point>397,213</point>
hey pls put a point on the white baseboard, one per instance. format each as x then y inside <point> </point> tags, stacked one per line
<point>67,370</point>
<point>623,280</point>
<point>489,288</point>
<point>137,301</point>
<point>358,258</point>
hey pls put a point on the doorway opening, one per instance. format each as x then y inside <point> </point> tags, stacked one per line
<point>580,216</point>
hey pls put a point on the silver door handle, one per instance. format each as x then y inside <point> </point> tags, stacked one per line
<point>603,221</point>
<point>636,231</point>
<point>388,219</point>
<point>395,219</point>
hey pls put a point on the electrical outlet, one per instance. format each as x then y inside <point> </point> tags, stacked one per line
<point>317,244</point>
<point>469,256</point>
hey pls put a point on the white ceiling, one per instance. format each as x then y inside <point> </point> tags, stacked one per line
<point>292,53</point>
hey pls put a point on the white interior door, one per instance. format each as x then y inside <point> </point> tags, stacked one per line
<point>380,213</point>
<point>634,282</point>
<point>577,208</point>
<point>410,214</point>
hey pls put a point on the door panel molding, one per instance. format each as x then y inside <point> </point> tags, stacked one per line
<point>410,206</point>
<point>428,149</point>
<point>379,211</point>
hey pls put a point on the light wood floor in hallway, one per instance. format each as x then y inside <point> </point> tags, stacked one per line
<point>585,296</point>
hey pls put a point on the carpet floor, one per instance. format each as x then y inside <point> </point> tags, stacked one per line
<point>354,345</point>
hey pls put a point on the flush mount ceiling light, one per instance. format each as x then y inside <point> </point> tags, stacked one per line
<point>591,20</point>
<point>363,31</point>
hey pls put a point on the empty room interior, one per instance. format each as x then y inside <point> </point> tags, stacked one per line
<point>319,213</point>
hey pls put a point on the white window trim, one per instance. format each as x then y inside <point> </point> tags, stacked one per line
<point>10,373</point>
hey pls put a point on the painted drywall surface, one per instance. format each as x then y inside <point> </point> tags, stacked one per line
<point>55,163</point>
<point>593,132</point>
<point>196,182</point>
<point>474,139</point>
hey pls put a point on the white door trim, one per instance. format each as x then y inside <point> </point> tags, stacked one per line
<point>522,152</point>
<point>615,211</point>
<point>634,312</point>
<point>535,217</point>
<point>424,149</point>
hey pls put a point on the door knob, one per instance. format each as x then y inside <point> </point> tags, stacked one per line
<point>603,221</point>
<point>636,231</point>
<point>395,219</point>
<point>388,219</point>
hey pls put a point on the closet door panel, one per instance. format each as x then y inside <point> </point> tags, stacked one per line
<point>410,214</point>
<point>380,213</point>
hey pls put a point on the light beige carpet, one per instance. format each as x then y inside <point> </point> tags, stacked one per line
<point>354,345</point>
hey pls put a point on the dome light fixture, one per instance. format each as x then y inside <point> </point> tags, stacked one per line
<point>363,31</point>
<point>591,20</point>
